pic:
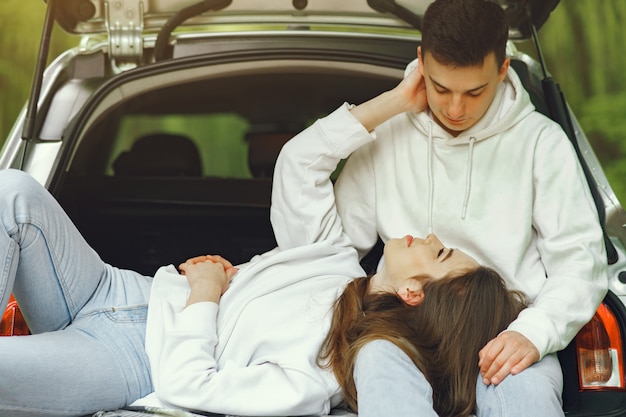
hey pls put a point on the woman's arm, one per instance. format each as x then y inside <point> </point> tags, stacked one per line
<point>408,96</point>
<point>303,208</point>
<point>187,375</point>
<point>303,204</point>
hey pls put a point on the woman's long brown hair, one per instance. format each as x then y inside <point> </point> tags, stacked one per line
<point>442,335</point>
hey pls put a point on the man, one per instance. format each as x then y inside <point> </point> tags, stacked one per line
<point>460,152</point>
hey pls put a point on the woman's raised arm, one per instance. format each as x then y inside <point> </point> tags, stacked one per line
<point>303,202</point>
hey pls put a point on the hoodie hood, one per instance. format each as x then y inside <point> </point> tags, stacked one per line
<point>510,104</point>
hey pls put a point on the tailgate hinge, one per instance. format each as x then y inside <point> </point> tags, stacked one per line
<point>124,24</point>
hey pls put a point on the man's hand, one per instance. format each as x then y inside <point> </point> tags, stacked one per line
<point>208,277</point>
<point>509,353</point>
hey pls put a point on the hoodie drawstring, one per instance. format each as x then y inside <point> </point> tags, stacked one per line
<point>431,185</point>
<point>468,176</point>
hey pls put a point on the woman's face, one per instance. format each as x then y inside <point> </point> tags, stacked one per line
<point>409,257</point>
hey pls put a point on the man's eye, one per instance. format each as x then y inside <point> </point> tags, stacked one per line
<point>440,252</point>
<point>474,94</point>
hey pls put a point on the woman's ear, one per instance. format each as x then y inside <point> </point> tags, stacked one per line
<point>410,296</point>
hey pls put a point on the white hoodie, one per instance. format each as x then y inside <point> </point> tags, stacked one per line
<point>509,191</point>
<point>255,353</point>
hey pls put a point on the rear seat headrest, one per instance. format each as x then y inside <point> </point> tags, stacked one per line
<point>263,150</point>
<point>160,154</point>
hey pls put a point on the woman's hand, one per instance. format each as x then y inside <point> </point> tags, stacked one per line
<point>408,96</point>
<point>412,92</point>
<point>208,277</point>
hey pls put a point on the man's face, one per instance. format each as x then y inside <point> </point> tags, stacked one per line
<point>459,97</point>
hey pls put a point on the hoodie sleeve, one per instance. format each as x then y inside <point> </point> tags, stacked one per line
<point>571,245</point>
<point>303,203</point>
<point>187,376</point>
<point>355,193</point>
<point>356,200</point>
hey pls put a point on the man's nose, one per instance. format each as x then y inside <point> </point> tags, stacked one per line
<point>456,108</point>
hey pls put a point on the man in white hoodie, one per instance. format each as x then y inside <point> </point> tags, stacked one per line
<point>460,151</point>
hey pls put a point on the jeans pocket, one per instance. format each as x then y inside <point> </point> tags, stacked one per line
<point>127,314</point>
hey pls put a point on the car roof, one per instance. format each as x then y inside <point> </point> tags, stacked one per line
<point>112,17</point>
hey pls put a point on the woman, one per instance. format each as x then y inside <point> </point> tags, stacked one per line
<point>442,336</point>
<point>258,356</point>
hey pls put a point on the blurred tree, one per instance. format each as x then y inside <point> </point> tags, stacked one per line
<point>582,44</point>
<point>21,25</point>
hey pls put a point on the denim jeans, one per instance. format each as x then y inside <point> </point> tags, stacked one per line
<point>389,384</point>
<point>87,318</point>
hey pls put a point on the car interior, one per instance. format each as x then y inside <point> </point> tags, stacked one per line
<point>186,169</point>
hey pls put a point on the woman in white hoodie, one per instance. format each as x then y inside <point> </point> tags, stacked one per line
<point>242,341</point>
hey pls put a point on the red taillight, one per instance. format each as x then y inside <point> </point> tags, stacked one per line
<point>599,352</point>
<point>13,323</point>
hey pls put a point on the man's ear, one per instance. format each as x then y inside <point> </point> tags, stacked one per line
<point>411,297</point>
<point>504,68</point>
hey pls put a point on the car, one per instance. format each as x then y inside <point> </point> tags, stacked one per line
<point>169,115</point>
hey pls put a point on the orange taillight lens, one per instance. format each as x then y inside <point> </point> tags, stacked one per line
<point>13,323</point>
<point>599,352</point>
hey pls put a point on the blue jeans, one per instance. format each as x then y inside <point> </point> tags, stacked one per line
<point>88,318</point>
<point>389,384</point>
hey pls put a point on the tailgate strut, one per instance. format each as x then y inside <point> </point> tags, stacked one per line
<point>390,6</point>
<point>559,112</point>
<point>30,121</point>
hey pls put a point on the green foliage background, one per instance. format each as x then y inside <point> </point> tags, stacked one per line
<point>21,22</point>
<point>582,43</point>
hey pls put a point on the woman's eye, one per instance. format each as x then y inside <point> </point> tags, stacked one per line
<point>440,252</point>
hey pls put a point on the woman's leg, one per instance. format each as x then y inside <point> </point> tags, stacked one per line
<point>534,392</point>
<point>61,283</point>
<point>389,384</point>
<point>96,363</point>
<point>44,260</point>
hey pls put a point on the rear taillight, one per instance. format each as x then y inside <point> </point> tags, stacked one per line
<point>13,323</point>
<point>599,352</point>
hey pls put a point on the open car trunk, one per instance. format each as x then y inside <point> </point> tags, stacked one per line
<point>216,107</point>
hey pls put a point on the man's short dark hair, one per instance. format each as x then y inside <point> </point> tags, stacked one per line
<point>461,33</point>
